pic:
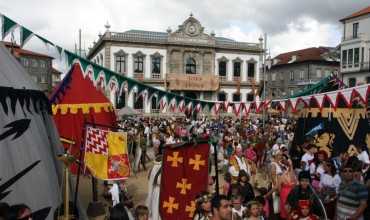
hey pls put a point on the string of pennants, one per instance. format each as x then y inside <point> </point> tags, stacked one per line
<point>106,78</point>
<point>334,99</point>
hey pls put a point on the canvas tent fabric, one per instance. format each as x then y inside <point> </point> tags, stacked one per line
<point>76,102</point>
<point>27,135</point>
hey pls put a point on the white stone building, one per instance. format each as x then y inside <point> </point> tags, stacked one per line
<point>355,48</point>
<point>227,70</point>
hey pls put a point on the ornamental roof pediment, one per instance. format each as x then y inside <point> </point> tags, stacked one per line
<point>191,31</point>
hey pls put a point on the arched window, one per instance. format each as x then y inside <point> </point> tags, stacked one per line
<point>191,66</point>
<point>138,102</point>
<point>154,103</point>
<point>121,100</point>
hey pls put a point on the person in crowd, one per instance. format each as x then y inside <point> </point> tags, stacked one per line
<point>119,212</point>
<point>245,188</point>
<point>203,207</point>
<point>254,211</point>
<point>227,184</point>
<point>238,210</point>
<point>363,156</point>
<point>276,172</point>
<point>4,210</point>
<point>317,168</point>
<point>367,184</point>
<point>221,208</point>
<point>286,184</point>
<point>19,211</point>
<point>304,212</point>
<point>328,187</point>
<point>303,191</point>
<point>352,196</point>
<point>141,213</point>
<point>237,163</point>
<point>308,157</point>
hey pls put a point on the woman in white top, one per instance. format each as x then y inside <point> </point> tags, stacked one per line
<point>329,185</point>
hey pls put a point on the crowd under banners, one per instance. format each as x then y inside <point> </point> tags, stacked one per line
<point>106,154</point>
<point>193,82</point>
<point>184,176</point>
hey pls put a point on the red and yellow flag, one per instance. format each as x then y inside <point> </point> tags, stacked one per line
<point>184,176</point>
<point>106,154</point>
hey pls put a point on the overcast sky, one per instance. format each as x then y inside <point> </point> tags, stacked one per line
<point>289,24</point>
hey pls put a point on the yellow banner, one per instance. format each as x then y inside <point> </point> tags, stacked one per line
<point>106,154</point>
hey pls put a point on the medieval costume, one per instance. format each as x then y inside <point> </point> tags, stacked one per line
<point>152,201</point>
<point>238,162</point>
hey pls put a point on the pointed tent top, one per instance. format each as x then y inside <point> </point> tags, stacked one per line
<point>191,14</point>
<point>12,73</point>
<point>77,88</point>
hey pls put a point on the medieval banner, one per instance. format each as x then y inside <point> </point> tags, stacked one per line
<point>334,130</point>
<point>184,176</point>
<point>193,82</point>
<point>106,154</point>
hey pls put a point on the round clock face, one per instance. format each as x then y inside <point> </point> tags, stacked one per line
<point>192,29</point>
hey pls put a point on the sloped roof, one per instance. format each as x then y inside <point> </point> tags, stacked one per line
<point>357,14</point>
<point>18,51</point>
<point>12,73</point>
<point>308,54</point>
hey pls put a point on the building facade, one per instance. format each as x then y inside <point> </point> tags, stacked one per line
<point>39,66</point>
<point>289,73</point>
<point>187,61</point>
<point>355,48</point>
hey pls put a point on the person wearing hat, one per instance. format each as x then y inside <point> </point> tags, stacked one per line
<point>303,191</point>
<point>304,212</point>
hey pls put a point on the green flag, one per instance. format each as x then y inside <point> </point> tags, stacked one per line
<point>25,35</point>
<point>8,25</point>
<point>59,49</point>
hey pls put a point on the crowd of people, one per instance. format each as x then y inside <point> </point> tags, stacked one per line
<point>266,174</point>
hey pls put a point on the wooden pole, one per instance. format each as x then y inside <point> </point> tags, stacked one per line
<point>66,193</point>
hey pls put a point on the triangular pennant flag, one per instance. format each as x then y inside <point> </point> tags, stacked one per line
<point>347,95</point>
<point>44,40</point>
<point>8,25</point>
<point>226,105</point>
<point>319,99</point>
<point>282,105</point>
<point>362,92</point>
<point>84,65</point>
<point>59,49</point>
<point>332,96</point>
<point>293,103</point>
<point>25,36</point>
<point>70,58</point>
<point>247,107</point>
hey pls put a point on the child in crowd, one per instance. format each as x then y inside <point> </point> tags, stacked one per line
<point>304,212</point>
<point>254,211</point>
<point>141,213</point>
<point>238,210</point>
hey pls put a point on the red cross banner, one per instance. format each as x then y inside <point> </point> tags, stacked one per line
<point>184,176</point>
<point>106,154</point>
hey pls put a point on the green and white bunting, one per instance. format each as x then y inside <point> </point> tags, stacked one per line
<point>99,74</point>
<point>25,35</point>
<point>8,26</point>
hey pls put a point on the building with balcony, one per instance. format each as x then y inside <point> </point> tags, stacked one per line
<point>290,73</point>
<point>39,66</point>
<point>355,48</point>
<point>186,61</point>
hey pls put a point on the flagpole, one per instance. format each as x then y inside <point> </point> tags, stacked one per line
<point>82,148</point>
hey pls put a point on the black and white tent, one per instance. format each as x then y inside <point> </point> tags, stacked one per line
<point>28,139</point>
